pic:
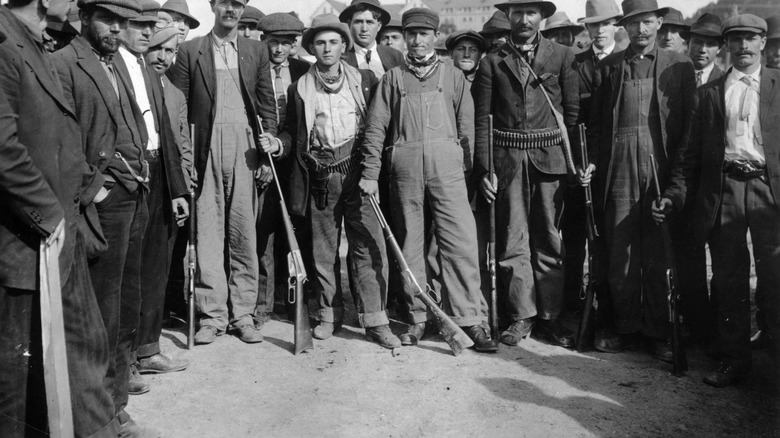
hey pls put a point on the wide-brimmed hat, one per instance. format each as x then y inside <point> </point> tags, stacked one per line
<point>180,7</point>
<point>122,8</point>
<point>632,8</point>
<point>251,15</point>
<point>453,39</point>
<point>597,11</point>
<point>560,20</point>
<point>149,10</point>
<point>674,18</point>
<point>498,23</point>
<point>346,15</point>
<point>773,27</point>
<point>708,25</point>
<point>548,8</point>
<point>326,22</point>
<point>162,36</point>
<point>281,23</point>
<point>744,23</point>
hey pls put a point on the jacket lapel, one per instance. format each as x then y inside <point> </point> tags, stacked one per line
<point>206,64</point>
<point>512,63</point>
<point>542,55</point>
<point>93,69</point>
<point>767,88</point>
<point>245,63</point>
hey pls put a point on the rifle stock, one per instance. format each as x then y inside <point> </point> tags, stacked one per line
<point>455,337</point>
<point>492,239</point>
<point>587,328</point>
<point>191,258</point>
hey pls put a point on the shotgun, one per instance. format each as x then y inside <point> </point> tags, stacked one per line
<point>492,239</point>
<point>191,257</point>
<point>587,330</point>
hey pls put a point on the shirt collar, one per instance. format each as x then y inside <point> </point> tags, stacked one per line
<point>220,41</point>
<point>105,59</point>
<point>736,75</point>
<point>707,70</point>
<point>362,50</point>
<point>607,50</point>
<point>285,64</point>
<point>631,54</point>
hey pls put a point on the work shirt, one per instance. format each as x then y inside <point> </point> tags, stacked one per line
<point>227,49</point>
<point>743,135</point>
<point>141,95</point>
<point>336,119</point>
<point>641,66</point>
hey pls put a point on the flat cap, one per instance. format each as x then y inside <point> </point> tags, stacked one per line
<point>744,23</point>
<point>251,15</point>
<point>180,7</point>
<point>149,9</point>
<point>281,23</point>
<point>162,36</point>
<point>773,27</point>
<point>420,17</point>
<point>122,8</point>
<point>498,23</point>
<point>459,35</point>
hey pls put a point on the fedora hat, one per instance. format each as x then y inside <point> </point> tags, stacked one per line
<point>548,8</point>
<point>632,8</point>
<point>773,27</point>
<point>346,15</point>
<point>325,22</point>
<point>708,25</point>
<point>180,7</point>
<point>674,18</point>
<point>597,11</point>
<point>498,23</point>
<point>560,20</point>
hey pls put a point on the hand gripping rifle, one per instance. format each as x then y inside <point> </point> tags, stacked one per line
<point>297,272</point>
<point>492,239</point>
<point>452,334</point>
<point>587,330</point>
<point>673,288</point>
<point>191,257</point>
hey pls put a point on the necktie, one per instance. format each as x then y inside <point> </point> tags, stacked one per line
<point>368,57</point>
<point>748,100</point>
<point>281,95</point>
<point>698,78</point>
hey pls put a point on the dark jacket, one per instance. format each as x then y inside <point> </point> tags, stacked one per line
<point>501,90</point>
<point>675,86</point>
<point>177,111</point>
<point>41,163</point>
<point>194,74</point>
<point>298,68</point>
<point>585,66</point>
<point>295,138</point>
<point>697,174</point>
<point>390,57</point>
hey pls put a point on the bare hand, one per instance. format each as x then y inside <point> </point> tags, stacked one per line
<point>263,176</point>
<point>58,235</point>
<point>268,143</point>
<point>101,195</point>
<point>489,188</point>
<point>661,211</point>
<point>181,210</point>
<point>585,176</point>
<point>369,187</point>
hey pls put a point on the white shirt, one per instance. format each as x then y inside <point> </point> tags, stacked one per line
<point>376,63</point>
<point>606,52</point>
<point>741,139</point>
<point>141,96</point>
<point>706,72</point>
<point>336,118</point>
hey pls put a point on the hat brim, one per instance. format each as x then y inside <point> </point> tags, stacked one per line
<point>494,30</point>
<point>702,33</point>
<point>308,36</point>
<point>290,33</point>
<point>120,11</point>
<point>145,19</point>
<point>346,15</point>
<point>659,11</point>
<point>194,23</point>
<point>743,29</point>
<point>574,28</point>
<point>481,43</point>
<point>548,8</point>
<point>599,19</point>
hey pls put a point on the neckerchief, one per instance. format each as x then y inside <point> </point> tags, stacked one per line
<point>331,84</point>
<point>527,50</point>
<point>422,68</point>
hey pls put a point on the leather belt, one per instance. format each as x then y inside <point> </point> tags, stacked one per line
<point>527,140</point>
<point>744,170</point>
<point>151,154</point>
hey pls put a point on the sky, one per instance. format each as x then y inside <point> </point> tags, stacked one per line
<point>574,8</point>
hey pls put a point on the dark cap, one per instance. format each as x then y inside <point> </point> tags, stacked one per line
<point>180,7</point>
<point>773,27</point>
<point>548,8</point>
<point>744,23</point>
<point>708,25</point>
<point>149,10</point>
<point>632,8</point>
<point>675,18</point>
<point>459,35</point>
<point>498,23</point>
<point>251,15</point>
<point>122,8</point>
<point>420,17</point>
<point>346,15</point>
<point>326,22</point>
<point>281,23</point>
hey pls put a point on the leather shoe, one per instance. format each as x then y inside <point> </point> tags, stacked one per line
<point>136,385</point>
<point>206,335</point>
<point>552,332</point>
<point>482,342</point>
<point>725,375</point>
<point>160,364</point>
<point>326,329</point>
<point>413,334</point>
<point>131,429</point>
<point>249,333</point>
<point>383,336</point>
<point>517,331</point>
<point>610,342</point>
<point>660,349</point>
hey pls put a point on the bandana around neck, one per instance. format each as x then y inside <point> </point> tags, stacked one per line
<point>331,83</point>
<point>422,68</point>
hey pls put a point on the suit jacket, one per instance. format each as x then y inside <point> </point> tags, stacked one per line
<point>41,161</point>
<point>298,68</point>
<point>176,104</point>
<point>697,174</point>
<point>500,89</point>
<point>194,74</point>
<point>390,57</point>
<point>675,86</point>
<point>585,66</point>
<point>295,138</point>
<point>714,75</point>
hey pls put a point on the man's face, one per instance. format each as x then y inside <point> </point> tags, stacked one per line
<point>227,13</point>
<point>420,41</point>
<point>58,10</point>
<point>561,36</point>
<point>249,30</point>
<point>466,55</point>
<point>745,48</point>
<point>772,53</point>
<point>496,40</point>
<point>161,57</point>
<point>602,34</point>
<point>525,21</point>
<point>642,29</point>
<point>279,46</point>
<point>392,38</point>
<point>103,30</point>
<point>182,23</point>
<point>327,47</point>
<point>702,51</point>
<point>364,28</point>
<point>669,38</point>
<point>137,35</point>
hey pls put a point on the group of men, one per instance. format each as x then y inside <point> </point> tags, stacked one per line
<point>103,141</point>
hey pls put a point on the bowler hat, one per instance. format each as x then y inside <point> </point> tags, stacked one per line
<point>674,18</point>
<point>560,20</point>
<point>597,11</point>
<point>162,36</point>
<point>708,25</point>
<point>281,23</point>
<point>149,10</point>
<point>498,23</point>
<point>251,15</point>
<point>453,39</point>
<point>744,23</point>
<point>548,8</point>
<point>122,8</point>
<point>346,15</point>
<point>420,17</point>
<point>180,7</point>
<point>325,22</point>
<point>632,8</point>
<point>773,27</point>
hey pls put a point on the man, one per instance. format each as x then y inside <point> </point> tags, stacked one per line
<point>166,200</point>
<point>529,158</point>
<point>182,19</point>
<point>729,170</point>
<point>772,49</point>
<point>670,36</point>
<point>224,98</point>
<point>424,128</point>
<point>248,26</point>
<point>496,31</point>
<point>45,186</point>
<point>328,109</point>
<point>392,35</point>
<point>559,29</point>
<point>466,48</point>
<point>365,18</point>
<point>641,106</point>
<point>704,41</point>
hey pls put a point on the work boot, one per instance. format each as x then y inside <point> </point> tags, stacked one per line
<point>326,329</point>
<point>611,342</point>
<point>726,375</point>
<point>249,333</point>
<point>136,385</point>
<point>517,332</point>
<point>660,349</point>
<point>206,334</point>
<point>160,364</point>
<point>260,319</point>
<point>482,342</point>
<point>413,334</point>
<point>552,332</point>
<point>131,429</point>
<point>383,336</point>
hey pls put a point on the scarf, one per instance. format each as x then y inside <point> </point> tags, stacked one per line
<point>422,68</point>
<point>527,50</point>
<point>331,84</point>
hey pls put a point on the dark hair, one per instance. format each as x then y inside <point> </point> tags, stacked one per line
<point>18,3</point>
<point>360,8</point>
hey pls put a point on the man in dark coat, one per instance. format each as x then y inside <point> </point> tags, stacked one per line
<point>365,18</point>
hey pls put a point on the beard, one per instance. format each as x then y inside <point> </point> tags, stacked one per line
<point>104,44</point>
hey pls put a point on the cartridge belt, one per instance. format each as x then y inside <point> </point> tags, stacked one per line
<point>343,166</point>
<point>517,139</point>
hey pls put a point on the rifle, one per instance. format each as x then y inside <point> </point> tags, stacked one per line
<point>672,286</point>
<point>297,272</point>
<point>587,330</point>
<point>191,257</point>
<point>452,334</point>
<point>492,239</point>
